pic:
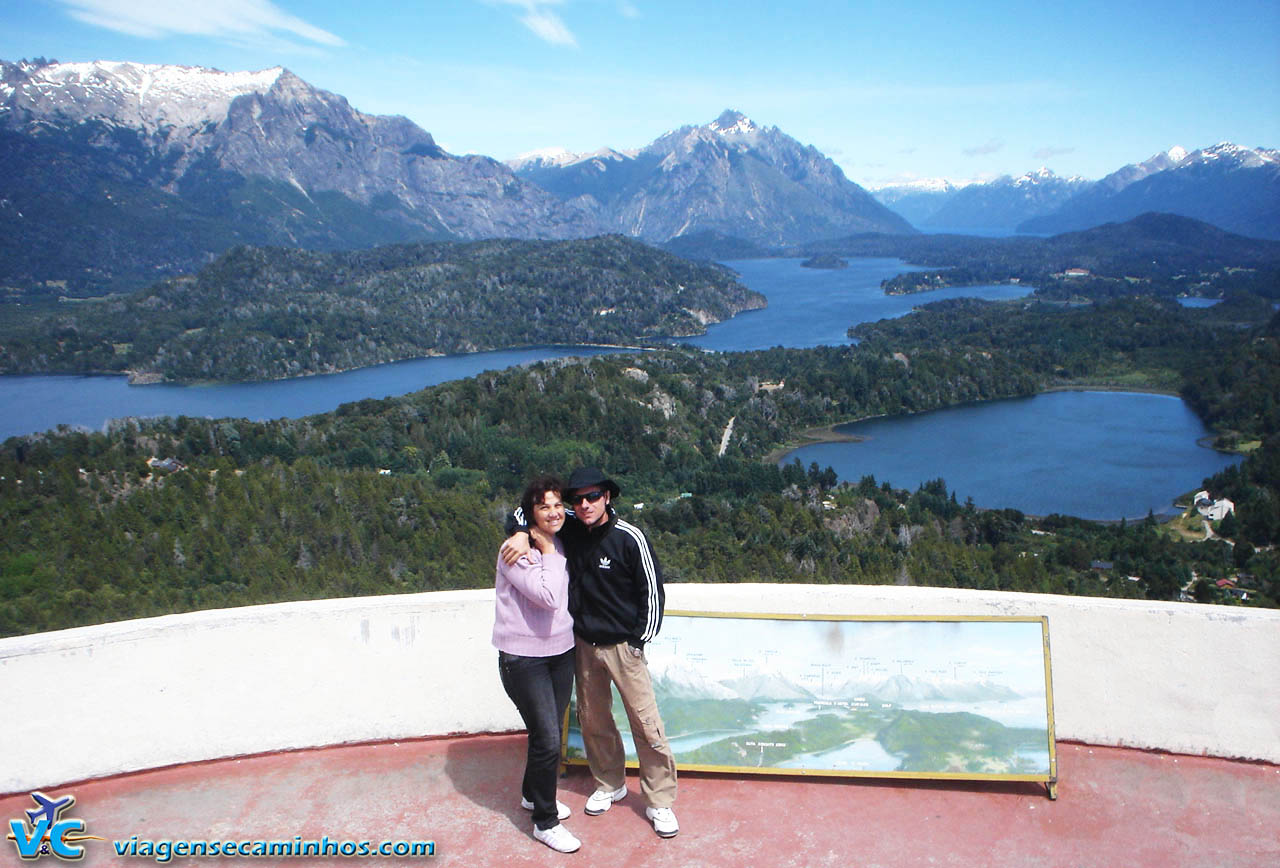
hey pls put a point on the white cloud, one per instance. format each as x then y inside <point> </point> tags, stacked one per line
<point>1046,153</point>
<point>540,17</point>
<point>982,150</point>
<point>628,10</point>
<point>230,20</point>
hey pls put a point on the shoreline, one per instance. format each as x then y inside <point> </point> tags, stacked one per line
<point>1112,387</point>
<point>154,378</point>
<point>820,434</point>
<point>828,434</point>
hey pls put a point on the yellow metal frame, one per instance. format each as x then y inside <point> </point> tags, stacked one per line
<point>1050,780</point>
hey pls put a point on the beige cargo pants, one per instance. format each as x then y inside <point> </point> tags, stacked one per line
<point>597,667</point>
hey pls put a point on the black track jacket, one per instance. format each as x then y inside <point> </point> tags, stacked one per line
<point>615,583</point>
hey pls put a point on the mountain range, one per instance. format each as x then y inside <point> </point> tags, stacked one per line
<point>1233,187</point>
<point>1230,186</point>
<point>114,175</point>
<point>1004,203</point>
<point>686,682</point>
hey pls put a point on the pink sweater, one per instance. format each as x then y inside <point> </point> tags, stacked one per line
<point>531,605</point>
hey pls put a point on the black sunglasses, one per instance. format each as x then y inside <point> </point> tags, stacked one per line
<point>588,496</point>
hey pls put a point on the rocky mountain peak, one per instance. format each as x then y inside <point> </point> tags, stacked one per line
<point>1039,176</point>
<point>260,157</point>
<point>1231,156</point>
<point>732,122</point>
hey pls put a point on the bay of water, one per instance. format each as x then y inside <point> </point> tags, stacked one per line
<point>1099,455</point>
<point>44,401</point>
<point>811,307</point>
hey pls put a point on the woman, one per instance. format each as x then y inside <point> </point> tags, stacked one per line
<point>533,633</point>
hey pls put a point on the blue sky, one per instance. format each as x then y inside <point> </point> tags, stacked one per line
<point>887,89</point>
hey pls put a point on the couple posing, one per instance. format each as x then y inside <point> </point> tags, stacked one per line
<point>581,593</point>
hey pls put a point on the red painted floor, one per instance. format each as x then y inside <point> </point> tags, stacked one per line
<point>1115,808</point>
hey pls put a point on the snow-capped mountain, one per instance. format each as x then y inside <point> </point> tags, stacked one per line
<point>169,104</point>
<point>767,687</point>
<point>893,192</point>
<point>904,690</point>
<point>686,682</point>
<point>273,124</point>
<point>1135,172</point>
<point>559,158</point>
<point>1233,187</point>
<point>730,176</point>
<point>1002,204</point>
<point>919,199</point>
<point>223,158</point>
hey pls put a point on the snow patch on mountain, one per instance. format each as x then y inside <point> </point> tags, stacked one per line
<point>543,157</point>
<point>1232,155</point>
<point>1043,176</point>
<point>918,185</point>
<point>561,158</point>
<point>733,123</point>
<point>143,96</point>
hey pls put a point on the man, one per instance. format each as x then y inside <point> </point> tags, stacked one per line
<point>616,600</point>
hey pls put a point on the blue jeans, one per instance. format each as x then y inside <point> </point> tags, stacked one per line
<point>540,688</point>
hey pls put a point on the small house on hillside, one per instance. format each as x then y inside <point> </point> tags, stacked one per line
<point>1214,510</point>
<point>166,465</point>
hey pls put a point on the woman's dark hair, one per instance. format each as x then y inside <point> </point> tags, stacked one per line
<point>536,490</point>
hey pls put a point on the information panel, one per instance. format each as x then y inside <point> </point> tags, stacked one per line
<point>927,697</point>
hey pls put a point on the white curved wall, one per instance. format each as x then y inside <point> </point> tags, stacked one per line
<point>96,701</point>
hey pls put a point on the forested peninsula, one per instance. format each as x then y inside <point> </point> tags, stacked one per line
<point>268,313</point>
<point>407,494</point>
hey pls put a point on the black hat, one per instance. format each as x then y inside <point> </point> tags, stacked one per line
<point>585,477</point>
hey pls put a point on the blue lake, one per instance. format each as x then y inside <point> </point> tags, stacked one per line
<point>807,308</point>
<point>40,402</point>
<point>1101,455</point>
<point>1004,454</point>
<point>811,307</point>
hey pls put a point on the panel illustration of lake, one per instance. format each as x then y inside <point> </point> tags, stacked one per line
<point>929,698</point>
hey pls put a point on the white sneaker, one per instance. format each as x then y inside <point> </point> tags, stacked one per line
<point>602,800</point>
<point>664,821</point>
<point>562,810</point>
<point>558,838</point>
